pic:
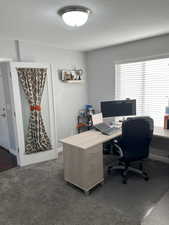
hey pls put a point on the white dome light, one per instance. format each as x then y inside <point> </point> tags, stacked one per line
<point>74,16</point>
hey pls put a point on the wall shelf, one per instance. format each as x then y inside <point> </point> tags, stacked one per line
<point>73,81</point>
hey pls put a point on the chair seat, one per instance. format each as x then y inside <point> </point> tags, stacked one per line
<point>132,159</point>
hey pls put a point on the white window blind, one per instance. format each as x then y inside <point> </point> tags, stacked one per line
<point>148,83</point>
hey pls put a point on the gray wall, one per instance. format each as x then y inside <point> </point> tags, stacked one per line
<point>101,64</point>
<point>69,98</point>
<point>7,49</point>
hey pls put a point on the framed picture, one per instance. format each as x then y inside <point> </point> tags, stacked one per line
<point>66,75</point>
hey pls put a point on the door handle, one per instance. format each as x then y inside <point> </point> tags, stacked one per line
<point>3,115</point>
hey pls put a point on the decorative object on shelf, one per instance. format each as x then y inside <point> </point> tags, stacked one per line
<point>82,113</point>
<point>167,110</point>
<point>167,107</point>
<point>166,117</point>
<point>72,75</point>
<point>74,15</point>
<point>89,109</point>
<point>83,123</point>
<point>84,120</point>
<point>166,122</point>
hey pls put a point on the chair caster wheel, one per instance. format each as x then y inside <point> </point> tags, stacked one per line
<point>146,178</point>
<point>124,181</point>
<point>109,171</point>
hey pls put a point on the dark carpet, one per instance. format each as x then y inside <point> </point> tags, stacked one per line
<point>7,160</point>
<point>37,195</point>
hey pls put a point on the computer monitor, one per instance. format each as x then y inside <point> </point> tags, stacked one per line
<point>118,108</point>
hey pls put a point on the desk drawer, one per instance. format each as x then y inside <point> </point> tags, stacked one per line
<point>83,167</point>
<point>93,166</point>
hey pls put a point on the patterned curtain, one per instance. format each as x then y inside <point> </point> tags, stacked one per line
<point>33,82</point>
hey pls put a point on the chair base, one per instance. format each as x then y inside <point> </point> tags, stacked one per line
<point>126,168</point>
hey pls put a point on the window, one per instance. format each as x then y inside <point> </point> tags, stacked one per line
<point>148,83</point>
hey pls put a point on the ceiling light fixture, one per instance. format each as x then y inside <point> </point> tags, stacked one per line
<point>74,16</point>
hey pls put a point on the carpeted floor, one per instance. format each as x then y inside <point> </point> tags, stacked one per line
<point>7,160</point>
<point>159,214</point>
<point>37,195</point>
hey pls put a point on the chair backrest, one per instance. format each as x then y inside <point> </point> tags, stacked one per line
<point>136,137</point>
<point>149,119</point>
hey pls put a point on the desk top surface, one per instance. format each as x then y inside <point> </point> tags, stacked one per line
<point>91,138</point>
<point>161,132</point>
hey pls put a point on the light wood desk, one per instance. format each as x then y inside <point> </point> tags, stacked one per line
<point>161,132</point>
<point>83,157</point>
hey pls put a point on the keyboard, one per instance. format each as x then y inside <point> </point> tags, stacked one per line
<point>105,129</point>
<point>102,126</point>
<point>109,131</point>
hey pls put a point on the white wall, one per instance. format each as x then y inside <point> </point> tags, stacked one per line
<point>101,64</point>
<point>7,49</point>
<point>69,98</point>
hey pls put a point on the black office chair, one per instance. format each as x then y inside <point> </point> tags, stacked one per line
<point>149,119</point>
<point>133,146</point>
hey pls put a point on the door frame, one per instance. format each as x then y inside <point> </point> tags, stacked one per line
<point>22,158</point>
<point>6,117</point>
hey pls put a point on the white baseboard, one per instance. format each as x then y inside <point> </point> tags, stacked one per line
<point>60,148</point>
<point>38,157</point>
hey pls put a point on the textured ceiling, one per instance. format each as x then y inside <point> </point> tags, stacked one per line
<point>112,22</point>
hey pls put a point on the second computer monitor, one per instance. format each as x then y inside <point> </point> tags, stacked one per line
<point>118,108</point>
